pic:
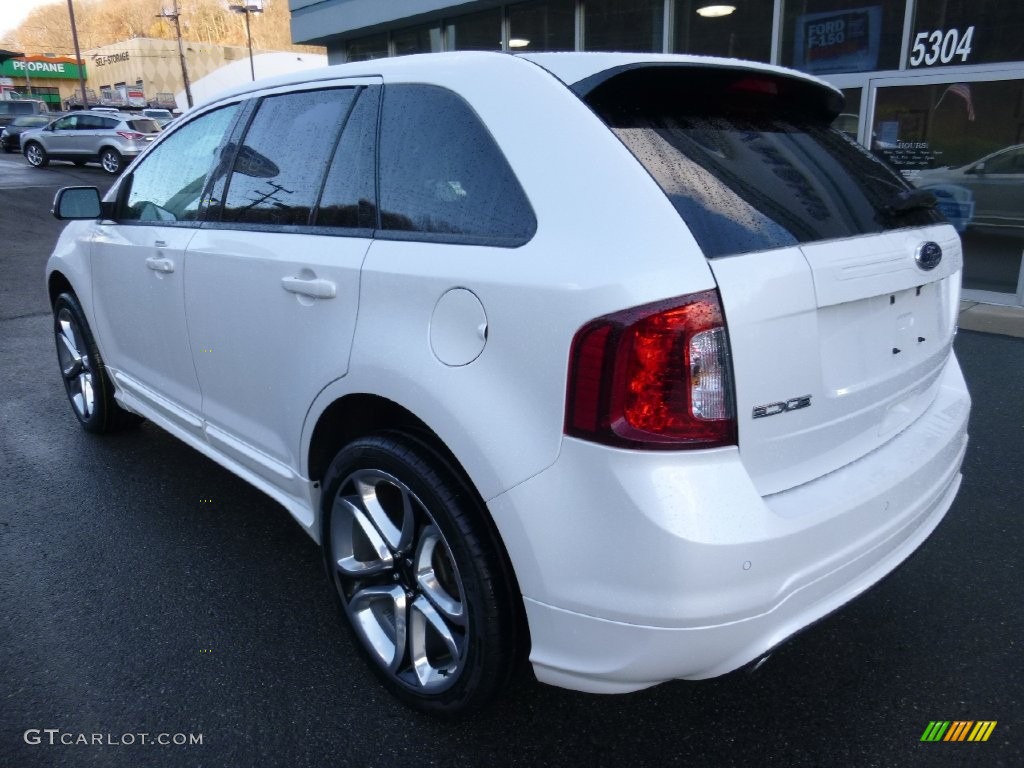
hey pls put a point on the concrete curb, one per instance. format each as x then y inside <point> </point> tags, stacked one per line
<point>991,318</point>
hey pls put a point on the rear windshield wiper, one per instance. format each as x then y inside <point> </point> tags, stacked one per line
<point>910,200</point>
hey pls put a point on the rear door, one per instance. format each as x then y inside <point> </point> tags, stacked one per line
<point>839,284</point>
<point>272,281</point>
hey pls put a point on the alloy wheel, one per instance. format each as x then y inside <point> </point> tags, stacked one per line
<point>398,581</point>
<point>75,364</point>
<point>34,154</point>
<point>111,161</point>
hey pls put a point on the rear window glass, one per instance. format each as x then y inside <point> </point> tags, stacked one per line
<point>144,125</point>
<point>748,173</point>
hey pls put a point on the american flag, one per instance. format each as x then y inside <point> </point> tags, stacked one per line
<point>963,90</point>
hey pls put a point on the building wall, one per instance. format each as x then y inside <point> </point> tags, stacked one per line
<point>50,78</point>
<point>155,63</point>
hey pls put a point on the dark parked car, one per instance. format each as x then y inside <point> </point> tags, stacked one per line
<point>10,135</point>
<point>20,108</point>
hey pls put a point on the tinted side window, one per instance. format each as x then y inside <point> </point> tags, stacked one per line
<point>66,123</point>
<point>349,197</point>
<point>442,173</point>
<point>279,168</point>
<point>168,184</point>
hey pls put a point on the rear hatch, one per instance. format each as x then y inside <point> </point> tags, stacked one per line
<point>839,311</point>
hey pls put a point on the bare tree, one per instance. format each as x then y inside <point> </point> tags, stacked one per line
<point>47,29</point>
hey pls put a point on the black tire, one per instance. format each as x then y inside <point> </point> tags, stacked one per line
<point>36,155</point>
<point>441,563</point>
<point>86,382</point>
<point>111,161</point>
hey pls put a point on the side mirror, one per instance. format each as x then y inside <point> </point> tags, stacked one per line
<point>77,203</point>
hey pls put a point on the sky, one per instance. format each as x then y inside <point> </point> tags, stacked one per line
<point>13,12</point>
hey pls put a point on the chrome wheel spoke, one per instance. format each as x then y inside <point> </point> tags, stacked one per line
<point>380,615</point>
<point>434,651</point>
<point>435,575</point>
<point>71,362</point>
<point>75,365</point>
<point>359,550</point>
<point>85,386</point>
<point>388,504</point>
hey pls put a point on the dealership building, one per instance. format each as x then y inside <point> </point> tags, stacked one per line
<point>935,86</point>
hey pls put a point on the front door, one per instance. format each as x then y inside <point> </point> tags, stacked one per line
<point>138,262</point>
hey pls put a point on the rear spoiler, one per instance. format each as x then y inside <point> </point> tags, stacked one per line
<point>704,88</point>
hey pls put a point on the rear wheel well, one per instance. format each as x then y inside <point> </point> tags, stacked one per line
<point>358,415</point>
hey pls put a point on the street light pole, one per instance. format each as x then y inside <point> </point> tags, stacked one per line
<point>181,50</point>
<point>248,8</point>
<point>78,55</point>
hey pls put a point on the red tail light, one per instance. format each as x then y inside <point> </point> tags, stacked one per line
<point>656,376</point>
<point>131,135</point>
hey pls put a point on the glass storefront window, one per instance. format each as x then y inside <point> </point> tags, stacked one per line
<point>951,32</point>
<point>363,48</point>
<point>548,25</point>
<point>964,141</point>
<point>424,39</point>
<point>614,25</point>
<point>475,32</point>
<point>828,36</point>
<point>746,33</point>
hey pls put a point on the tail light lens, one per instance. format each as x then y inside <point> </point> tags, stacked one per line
<point>131,135</point>
<point>656,376</point>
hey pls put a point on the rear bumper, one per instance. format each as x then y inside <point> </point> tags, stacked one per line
<point>639,568</point>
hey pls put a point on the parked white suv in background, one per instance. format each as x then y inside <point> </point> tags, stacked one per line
<point>628,364</point>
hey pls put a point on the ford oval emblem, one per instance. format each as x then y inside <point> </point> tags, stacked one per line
<point>928,255</point>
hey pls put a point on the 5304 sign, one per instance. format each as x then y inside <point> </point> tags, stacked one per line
<point>941,46</point>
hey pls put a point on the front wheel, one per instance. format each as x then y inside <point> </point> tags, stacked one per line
<point>85,377</point>
<point>419,575</point>
<point>111,160</point>
<point>36,155</point>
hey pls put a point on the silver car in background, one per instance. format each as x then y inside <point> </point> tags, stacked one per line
<point>112,140</point>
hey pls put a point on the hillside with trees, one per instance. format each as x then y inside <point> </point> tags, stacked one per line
<point>47,29</point>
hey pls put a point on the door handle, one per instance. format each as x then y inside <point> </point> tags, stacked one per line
<point>160,265</point>
<point>317,288</point>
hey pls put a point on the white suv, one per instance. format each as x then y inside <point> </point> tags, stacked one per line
<point>629,365</point>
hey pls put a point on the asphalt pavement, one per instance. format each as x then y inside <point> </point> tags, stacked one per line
<point>146,590</point>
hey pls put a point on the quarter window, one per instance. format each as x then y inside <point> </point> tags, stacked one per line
<point>442,174</point>
<point>168,184</point>
<point>280,165</point>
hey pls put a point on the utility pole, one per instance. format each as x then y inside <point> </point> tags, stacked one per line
<point>78,55</point>
<point>181,50</point>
